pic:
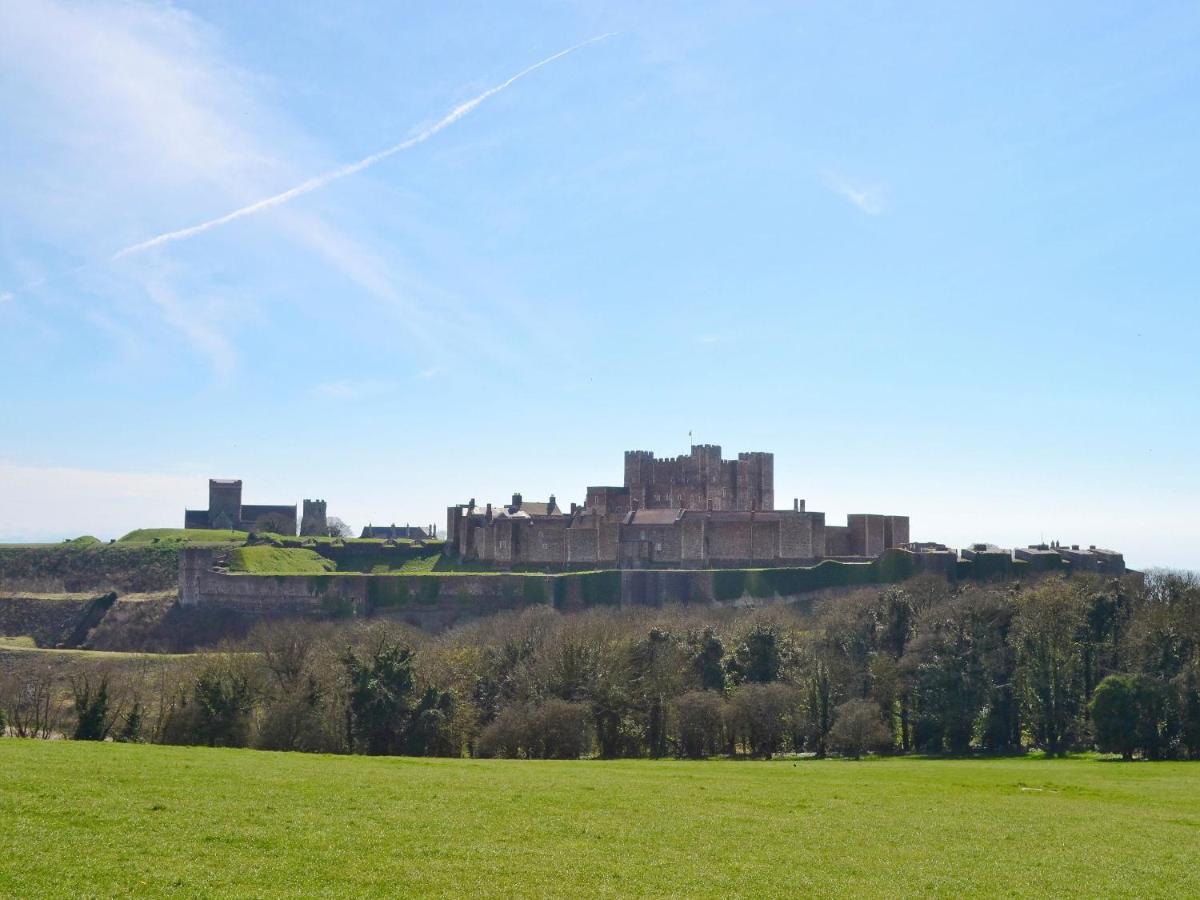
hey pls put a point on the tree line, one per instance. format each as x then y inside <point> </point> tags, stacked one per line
<point>926,667</point>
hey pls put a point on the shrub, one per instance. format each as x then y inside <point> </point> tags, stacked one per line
<point>700,724</point>
<point>215,711</point>
<point>92,716</point>
<point>557,729</point>
<point>858,728</point>
<point>764,716</point>
<point>507,735</point>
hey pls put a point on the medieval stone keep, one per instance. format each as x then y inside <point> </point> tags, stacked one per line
<point>695,511</point>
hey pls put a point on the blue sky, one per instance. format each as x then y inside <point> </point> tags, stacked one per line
<point>941,260</point>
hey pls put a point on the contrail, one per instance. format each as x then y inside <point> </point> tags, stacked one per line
<point>320,181</point>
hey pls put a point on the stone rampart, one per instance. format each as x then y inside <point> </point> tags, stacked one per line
<point>438,600</point>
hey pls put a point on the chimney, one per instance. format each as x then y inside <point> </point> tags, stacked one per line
<point>574,508</point>
<point>801,506</point>
<point>488,513</point>
<point>550,505</point>
<point>516,501</point>
<point>795,504</point>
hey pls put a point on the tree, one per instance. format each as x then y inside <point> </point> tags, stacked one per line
<point>32,703</point>
<point>212,707</point>
<point>708,658</point>
<point>762,716</point>
<point>291,718</point>
<point>430,731</point>
<point>556,729</point>
<point>818,708</point>
<point>1049,666</point>
<point>1115,715</point>
<point>759,658</point>
<point>130,731</point>
<point>93,716</point>
<point>380,697</point>
<point>1187,692</point>
<point>1133,713</point>
<point>223,701</point>
<point>857,728</point>
<point>508,735</point>
<point>335,527</point>
<point>700,724</point>
<point>275,523</point>
<point>656,668</point>
<point>948,676</point>
<point>562,729</point>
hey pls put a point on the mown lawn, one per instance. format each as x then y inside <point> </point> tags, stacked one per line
<point>114,819</point>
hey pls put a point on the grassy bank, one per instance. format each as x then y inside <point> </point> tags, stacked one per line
<point>183,535</point>
<point>264,559</point>
<point>109,819</point>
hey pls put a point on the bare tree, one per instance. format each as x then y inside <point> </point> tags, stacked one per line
<point>32,702</point>
<point>335,527</point>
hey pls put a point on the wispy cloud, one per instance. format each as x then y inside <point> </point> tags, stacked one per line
<point>320,181</point>
<point>140,110</point>
<point>201,330</point>
<point>870,199</point>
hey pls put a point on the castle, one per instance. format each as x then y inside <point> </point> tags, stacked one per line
<point>696,511</point>
<point>227,512</point>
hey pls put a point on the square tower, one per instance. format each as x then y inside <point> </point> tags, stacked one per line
<point>224,502</point>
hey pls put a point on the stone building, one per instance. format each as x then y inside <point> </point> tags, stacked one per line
<point>396,532</point>
<point>226,511</point>
<point>694,511</point>
<point>314,521</point>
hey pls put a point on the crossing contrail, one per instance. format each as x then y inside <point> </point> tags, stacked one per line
<point>312,184</point>
<point>320,181</point>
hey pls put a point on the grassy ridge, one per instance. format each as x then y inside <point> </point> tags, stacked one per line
<point>186,535</point>
<point>263,559</point>
<point>111,819</point>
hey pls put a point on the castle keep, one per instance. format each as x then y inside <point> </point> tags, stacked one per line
<point>695,511</point>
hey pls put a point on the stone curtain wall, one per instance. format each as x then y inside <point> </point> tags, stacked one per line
<point>437,601</point>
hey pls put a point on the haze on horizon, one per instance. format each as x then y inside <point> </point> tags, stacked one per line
<point>939,261</point>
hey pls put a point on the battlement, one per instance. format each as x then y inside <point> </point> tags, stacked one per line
<point>700,480</point>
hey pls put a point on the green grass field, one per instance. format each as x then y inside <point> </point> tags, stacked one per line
<point>105,819</point>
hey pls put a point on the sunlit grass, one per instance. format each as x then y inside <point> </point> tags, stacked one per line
<point>113,819</point>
